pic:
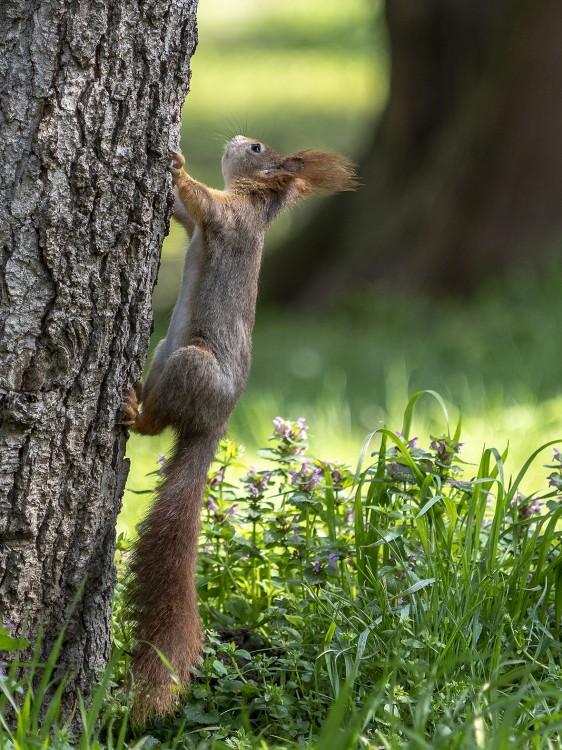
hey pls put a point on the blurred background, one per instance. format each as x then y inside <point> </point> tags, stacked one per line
<point>442,271</point>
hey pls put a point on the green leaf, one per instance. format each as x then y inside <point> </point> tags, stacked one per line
<point>219,667</point>
<point>417,586</point>
<point>197,714</point>
<point>409,413</point>
<point>7,643</point>
<point>294,619</point>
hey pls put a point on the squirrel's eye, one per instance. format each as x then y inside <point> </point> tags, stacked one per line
<point>256,148</point>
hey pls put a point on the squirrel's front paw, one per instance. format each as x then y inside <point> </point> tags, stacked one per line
<point>176,163</point>
<point>130,406</point>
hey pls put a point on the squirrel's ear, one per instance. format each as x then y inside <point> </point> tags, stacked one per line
<point>292,164</point>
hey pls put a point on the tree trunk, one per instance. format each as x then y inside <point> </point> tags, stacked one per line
<point>90,103</point>
<point>464,175</point>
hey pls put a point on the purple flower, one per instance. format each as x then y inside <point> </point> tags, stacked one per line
<point>316,566</point>
<point>292,434</point>
<point>162,462</point>
<point>445,449</point>
<point>333,560</point>
<point>555,480</point>
<point>232,509</point>
<point>281,428</point>
<point>336,472</point>
<point>392,470</point>
<point>350,515</point>
<point>217,478</point>
<point>284,428</point>
<point>307,477</point>
<point>525,508</point>
<point>211,504</point>
<point>257,482</point>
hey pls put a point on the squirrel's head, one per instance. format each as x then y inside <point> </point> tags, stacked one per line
<point>249,161</point>
<point>247,158</point>
<point>249,164</point>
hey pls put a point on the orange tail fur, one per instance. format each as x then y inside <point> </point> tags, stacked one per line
<point>321,172</point>
<point>160,593</point>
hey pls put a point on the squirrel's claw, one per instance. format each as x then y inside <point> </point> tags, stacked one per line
<point>130,405</point>
<point>177,161</point>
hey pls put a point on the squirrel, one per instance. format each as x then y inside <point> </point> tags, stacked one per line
<point>197,375</point>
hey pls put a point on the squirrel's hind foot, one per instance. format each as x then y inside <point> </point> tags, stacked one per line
<point>145,422</point>
<point>130,406</point>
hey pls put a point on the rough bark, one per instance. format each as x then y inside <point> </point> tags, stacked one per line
<point>464,174</point>
<point>91,94</point>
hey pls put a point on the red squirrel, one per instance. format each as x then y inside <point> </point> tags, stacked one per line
<point>197,375</point>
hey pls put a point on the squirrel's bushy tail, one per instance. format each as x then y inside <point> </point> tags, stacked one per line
<point>322,172</point>
<point>160,592</point>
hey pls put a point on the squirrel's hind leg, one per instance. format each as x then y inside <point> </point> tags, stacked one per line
<point>193,393</point>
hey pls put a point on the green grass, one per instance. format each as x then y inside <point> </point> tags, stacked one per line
<point>494,360</point>
<point>414,602</point>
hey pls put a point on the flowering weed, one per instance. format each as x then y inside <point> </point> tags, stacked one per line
<point>417,597</point>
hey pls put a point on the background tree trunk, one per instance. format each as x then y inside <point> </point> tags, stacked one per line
<point>464,175</point>
<point>91,100</point>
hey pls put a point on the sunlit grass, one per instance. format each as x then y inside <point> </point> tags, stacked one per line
<point>494,360</point>
<point>336,437</point>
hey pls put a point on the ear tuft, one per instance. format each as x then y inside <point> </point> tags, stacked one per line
<point>323,172</point>
<point>292,164</point>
